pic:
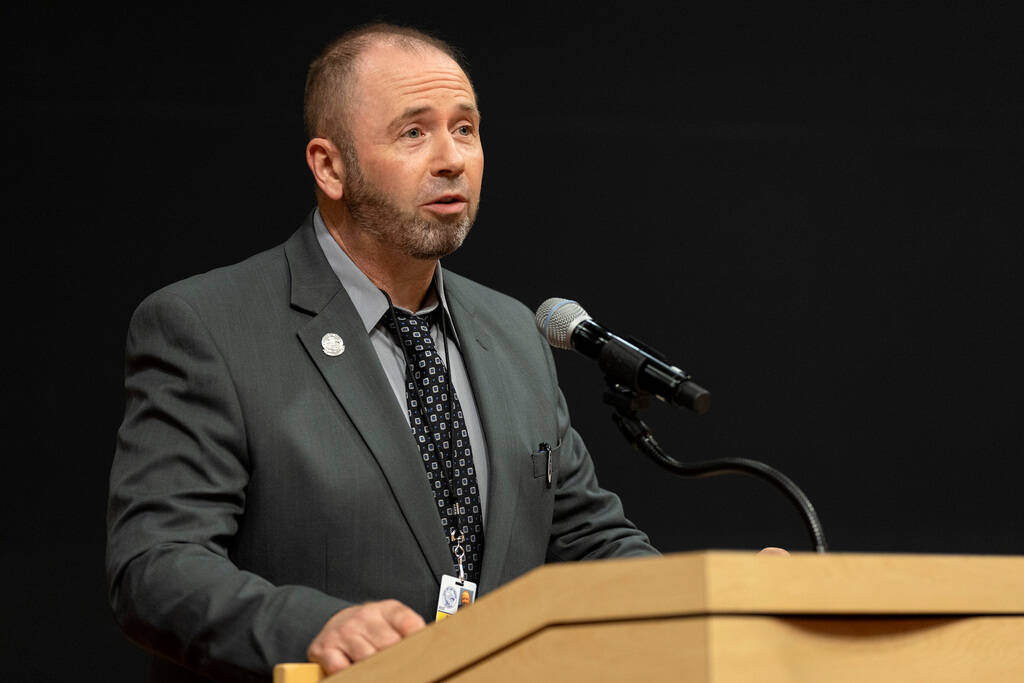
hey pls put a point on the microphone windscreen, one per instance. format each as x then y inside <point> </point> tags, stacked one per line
<point>556,320</point>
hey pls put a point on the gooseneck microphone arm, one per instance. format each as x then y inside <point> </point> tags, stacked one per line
<point>634,373</point>
<point>627,404</point>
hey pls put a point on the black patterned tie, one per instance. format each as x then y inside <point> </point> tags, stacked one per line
<point>435,417</point>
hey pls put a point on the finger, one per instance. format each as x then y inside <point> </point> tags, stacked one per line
<point>357,647</point>
<point>330,660</point>
<point>379,631</point>
<point>402,618</point>
<point>771,550</point>
<point>410,623</point>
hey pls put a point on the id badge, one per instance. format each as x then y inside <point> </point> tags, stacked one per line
<point>454,594</point>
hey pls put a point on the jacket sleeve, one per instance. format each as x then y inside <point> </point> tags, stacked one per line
<point>177,492</point>
<point>588,522</point>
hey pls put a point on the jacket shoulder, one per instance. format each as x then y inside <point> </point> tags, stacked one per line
<point>222,292</point>
<point>257,274</point>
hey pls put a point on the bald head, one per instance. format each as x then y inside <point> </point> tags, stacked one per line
<point>334,75</point>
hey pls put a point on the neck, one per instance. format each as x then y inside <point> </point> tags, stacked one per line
<point>406,279</point>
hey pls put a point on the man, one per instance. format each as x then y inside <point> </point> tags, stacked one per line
<point>267,502</point>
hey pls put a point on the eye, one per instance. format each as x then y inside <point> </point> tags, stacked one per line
<point>413,133</point>
<point>464,129</point>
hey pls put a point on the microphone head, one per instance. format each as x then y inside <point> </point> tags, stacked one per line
<point>556,320</point>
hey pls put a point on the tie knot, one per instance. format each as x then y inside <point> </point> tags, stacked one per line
<point>412,331</point>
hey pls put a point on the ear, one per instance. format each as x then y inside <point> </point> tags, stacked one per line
<point>324,160</point>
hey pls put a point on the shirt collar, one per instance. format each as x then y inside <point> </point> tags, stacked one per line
<point>370,303</point>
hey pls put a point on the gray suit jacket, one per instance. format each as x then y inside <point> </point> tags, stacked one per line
<point>260,485</point>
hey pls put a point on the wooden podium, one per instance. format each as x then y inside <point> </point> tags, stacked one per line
<point>723,617</point>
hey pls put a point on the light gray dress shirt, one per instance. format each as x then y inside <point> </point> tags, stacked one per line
<point>371,305</point>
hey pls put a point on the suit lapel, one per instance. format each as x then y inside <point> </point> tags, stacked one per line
<point>486,368</point>
<point>360,385</point>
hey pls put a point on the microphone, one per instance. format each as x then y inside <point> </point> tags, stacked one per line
<point>566,325</point>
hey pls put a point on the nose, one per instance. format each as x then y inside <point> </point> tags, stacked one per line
<point>448,161</point>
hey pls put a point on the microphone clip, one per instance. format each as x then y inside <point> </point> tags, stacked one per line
<point>625,399</point>
<point>628,404</point>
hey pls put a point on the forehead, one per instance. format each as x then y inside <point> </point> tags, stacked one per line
<point>392,77</point>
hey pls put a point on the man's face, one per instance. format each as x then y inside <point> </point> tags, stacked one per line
<point>413,171</point>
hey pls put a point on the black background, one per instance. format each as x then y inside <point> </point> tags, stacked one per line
<point>816,212</point>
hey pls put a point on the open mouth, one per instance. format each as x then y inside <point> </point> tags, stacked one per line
<point>447,204</point>
<point>448,199</point>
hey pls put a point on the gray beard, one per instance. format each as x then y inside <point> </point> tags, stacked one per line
<point>411,234</point>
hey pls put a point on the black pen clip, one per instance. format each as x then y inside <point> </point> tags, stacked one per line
<point>544,448</point>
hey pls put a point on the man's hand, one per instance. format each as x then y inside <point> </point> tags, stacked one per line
<point>359,631</point>
<point>771,550</point>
